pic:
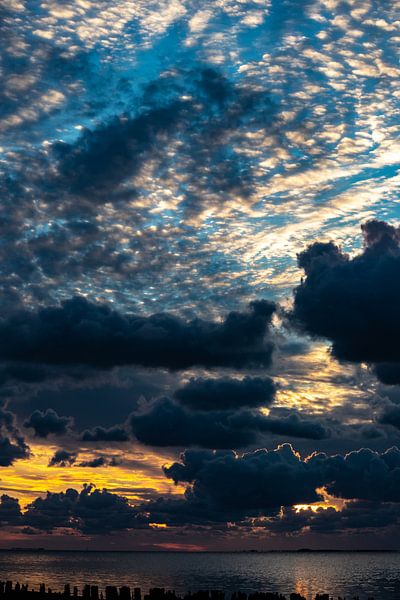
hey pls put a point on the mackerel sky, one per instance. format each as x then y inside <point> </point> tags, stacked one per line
<point>200,274</point>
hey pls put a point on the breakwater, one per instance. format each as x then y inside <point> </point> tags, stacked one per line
<point>9,591</point>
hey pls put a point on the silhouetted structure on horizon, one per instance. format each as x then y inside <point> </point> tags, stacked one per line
<point>91,592</point>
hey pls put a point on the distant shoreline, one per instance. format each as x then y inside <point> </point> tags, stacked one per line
<point>299,551</point>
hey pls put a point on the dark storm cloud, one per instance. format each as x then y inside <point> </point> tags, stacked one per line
<point>48,422</point>
<point>259,480</point>
<point>177,512</point>
<point>164,422</point>
<point>103,434</point>
<point>7,419</point>
<point>390,415</point>
<point>100,461</point>
<point>262,479</point>
<point>356,515</point>
<point>10,512</point>
<point>203,106</point>
<point>388,372</point>
<point>94,335</point>
<point>100,398</point>
<point>12,444</point>
<point>371,432</point>
<point>355,302</point>
<point>62,458</point>
<point>289,424</point>
<point>248,490</point>
<point>364,474</point>
<point>90,511</point>
<point>12,450</point>
<point>22,372</point>
<point>78,511</point>
<point>226,393</point>
<point>364,514</point>
<point>101,159</point>
<point>34,376</point>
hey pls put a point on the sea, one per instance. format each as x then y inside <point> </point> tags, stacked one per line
<point>345,574</point>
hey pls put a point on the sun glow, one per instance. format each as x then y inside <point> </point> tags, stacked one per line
<point>327,502</point>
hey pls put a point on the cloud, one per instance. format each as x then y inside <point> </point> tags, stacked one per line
<point>10,511</point>
<point>257,489</point>
<point>138,176</point>
<point>226,393</point>
<point>12,444</point>
<point>388,372</point>
<point>364,474</point>
<point>290,425</point>
<point>103,158</point>
<point>390,415</point>
<point>258,482</point>
<point>354,516</point>
<point>164,422</point>
<point>62,458</point>
<point>103,434</point>
<point>207,112</point>
<point>99,461</point>
<point>89,511</point>
<point>177,512</point>
<point>261,480</point>
<point>354,302</point>
<point>12,450</point>
<point>231,152</point>
<point>370,432</point>
<point>80,332</point>
<point>48,422</point>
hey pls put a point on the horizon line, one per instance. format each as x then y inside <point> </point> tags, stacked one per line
<point>175,551</point>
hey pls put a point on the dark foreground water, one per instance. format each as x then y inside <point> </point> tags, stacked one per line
<point>345,574</point>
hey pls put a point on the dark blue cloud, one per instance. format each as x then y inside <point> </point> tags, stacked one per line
<point>364,474</point>
<point>262,479</point>
<point>249,490</point>
<point>103,434</point>
<point>259,480</point>
<point>94,463</point>
<point>48,422</point>
<point>354,302</point>
<point>390,415</point>
<point>12,450</point>
<point>90,511</point>
<point>226,393</point>
<point>288,424</point>
<point>200,107</point>
<point>354,516</point>
<point>80,332</point>
<point>12,444</point>
<point>167,423</point>
<point>62,458</point>
<point>10,511</point>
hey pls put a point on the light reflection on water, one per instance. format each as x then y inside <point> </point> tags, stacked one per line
<point>345,574</point>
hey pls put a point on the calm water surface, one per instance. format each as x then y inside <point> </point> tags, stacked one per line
<point>344,574</point>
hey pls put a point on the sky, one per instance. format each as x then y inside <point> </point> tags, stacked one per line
<point>200,274</point>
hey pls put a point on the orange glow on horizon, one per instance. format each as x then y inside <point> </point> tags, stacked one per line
<point>181,547</point>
